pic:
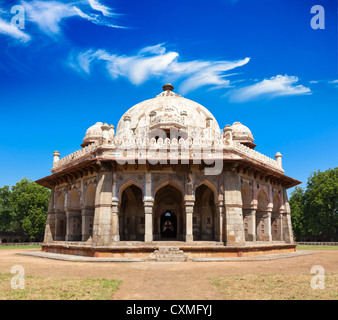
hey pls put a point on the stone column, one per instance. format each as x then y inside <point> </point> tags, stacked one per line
<point>148,211</point>
<point>280,226</point>
<point>68,226</point>
<point>287,226</point>
<point>73,219</point>
<point>60,234</point>
<point>251,218</point>
<point>103,204</point>
<point>86,214</point>
<point>220,218</point>
<point>234,227</point>
<point>267,226</point>
<point>115,227</point>
<point>189,209</point>
<point>50,223</point>
<point>278,217</point>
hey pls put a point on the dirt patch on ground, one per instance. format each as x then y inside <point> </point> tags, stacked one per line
<point>166,281</point>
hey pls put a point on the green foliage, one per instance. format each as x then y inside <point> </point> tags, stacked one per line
<point>6,220</point>
<point>23,208</point>
<point>315,209</point>
<point>297,210</point>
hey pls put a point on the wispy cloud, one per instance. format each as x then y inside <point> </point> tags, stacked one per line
<point>277,86</point>
<point>13,31</point>
<point>96,5</point>
<point>156,61</point>
<point>48,15</point>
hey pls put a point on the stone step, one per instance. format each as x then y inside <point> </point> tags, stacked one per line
<point>168,254</point>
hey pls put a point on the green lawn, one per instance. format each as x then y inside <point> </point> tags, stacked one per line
<point>37,288</point>
<point>21,247</point>
<point>304,247</point>
<point>275,287</point>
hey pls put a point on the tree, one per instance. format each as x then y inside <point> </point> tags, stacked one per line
<point>297,203</point>
<point>24,208</point>
<point>6,219</point>
<point>322,203</point>
<point>315,209</point>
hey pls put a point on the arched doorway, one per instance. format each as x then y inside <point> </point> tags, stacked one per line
<point>132,216</point>
<point>73,213</point>
<point>60,219</point>
<point>248,220</point>
<point>168,214</point>
<point>168,226</point>
<point>262,206</point>
<point>204,215</point>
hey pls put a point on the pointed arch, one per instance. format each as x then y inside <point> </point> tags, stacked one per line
<point>168,198</point>
<point>74,199</point>
<point>132,215</point>
<point>170,183</point>
<point>262,200</point>
<point>90,196</point>
<point>276,201</point>
<point>209,185</point>
<point>204,213</point>
<point>126,184</point>
<point>246,196</point>
<point>60,202</point>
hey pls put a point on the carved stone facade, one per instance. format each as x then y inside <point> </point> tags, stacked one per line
<point>138,186</point>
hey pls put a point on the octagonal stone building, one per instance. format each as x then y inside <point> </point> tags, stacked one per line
<point>168,177</point>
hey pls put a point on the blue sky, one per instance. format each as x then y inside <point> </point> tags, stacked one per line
<point>78,62</point>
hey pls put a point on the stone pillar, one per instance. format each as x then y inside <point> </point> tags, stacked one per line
<point>103,204</point>
<point>50,223</point>
<point>234,227</point>
<point>60,225</point>
<point>280,227</point>
<point>148,212</point>
<point>148,202</point>
<point>68,226</point>
<point>87,213</point>
<point>278,217</point>
<point>115,227</point>
<point>220,219</point>
<point>267,226</point>
<point>251,218</point>
<point>189,209</point>
<point>287,226</point>
<point>73,220</point>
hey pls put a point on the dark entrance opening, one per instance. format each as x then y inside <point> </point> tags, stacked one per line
<point>168,225</point>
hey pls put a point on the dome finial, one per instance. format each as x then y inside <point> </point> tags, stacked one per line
<point>168,87</point>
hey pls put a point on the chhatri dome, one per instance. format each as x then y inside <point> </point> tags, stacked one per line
<point>242,134</point>
<point>132,194</point>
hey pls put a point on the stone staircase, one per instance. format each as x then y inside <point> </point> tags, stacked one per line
<point>168,254</point>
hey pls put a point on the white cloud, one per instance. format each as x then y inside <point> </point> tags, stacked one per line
<point>156,61</point>
<point>11,30</point>
<point>210,73</point>
<point>96,5</point>
<point>49,14</point>
<point>270,88</point>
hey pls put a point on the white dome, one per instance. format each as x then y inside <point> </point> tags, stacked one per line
<point>93,134</point>
<point>238,129</point>
<point>166,111</point>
